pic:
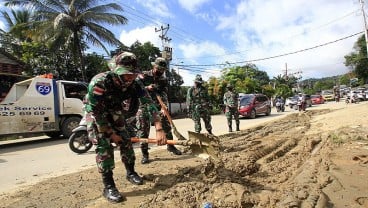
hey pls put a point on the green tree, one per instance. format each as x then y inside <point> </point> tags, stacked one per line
<point>74,23</point>
<point>357,60</point>
<point>146,53</point>
<point>18,24</point>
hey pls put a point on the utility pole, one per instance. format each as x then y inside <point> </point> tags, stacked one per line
<point>286,72</point>
<point>365,24</point>
<point>166,52</point>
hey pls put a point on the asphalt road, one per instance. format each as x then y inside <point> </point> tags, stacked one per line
<point>24,164</point>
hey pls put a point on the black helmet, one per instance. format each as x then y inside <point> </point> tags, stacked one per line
<point>230,86</point>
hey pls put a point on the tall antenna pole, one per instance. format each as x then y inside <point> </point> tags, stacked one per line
<point>365,24</point>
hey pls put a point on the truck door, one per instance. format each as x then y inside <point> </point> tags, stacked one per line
<point>71,101</point>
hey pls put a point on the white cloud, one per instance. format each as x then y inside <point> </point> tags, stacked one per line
<point>266,29</point>
<point>142,35</point>
<point>157,7</point>
<point>192,5</point>
<point>194,52</point>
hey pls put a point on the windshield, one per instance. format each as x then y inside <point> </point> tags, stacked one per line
<point>246,100</point>
<point>315,96</point>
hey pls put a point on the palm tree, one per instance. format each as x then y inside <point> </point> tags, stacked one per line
<point>18,24</point>
<point>72,23</point>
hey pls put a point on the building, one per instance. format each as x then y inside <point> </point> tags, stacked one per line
<point>10,72</point>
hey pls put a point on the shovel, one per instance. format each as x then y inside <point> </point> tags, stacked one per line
<point>167,114</point>
<point>198,143</point>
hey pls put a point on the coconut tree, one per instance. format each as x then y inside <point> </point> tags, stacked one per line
<point>17,22</point>
<point>73,23</point>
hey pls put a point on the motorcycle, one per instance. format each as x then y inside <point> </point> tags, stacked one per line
<point>79,142</point>
<point>301,105</point>
<point>353,99</point>
<point>280,106</point>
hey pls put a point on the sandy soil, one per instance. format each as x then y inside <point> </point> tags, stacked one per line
<point>318,158</point>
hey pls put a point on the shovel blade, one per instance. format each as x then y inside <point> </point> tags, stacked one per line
<point>204,144</point>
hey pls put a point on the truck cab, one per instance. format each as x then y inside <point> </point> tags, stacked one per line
<point>35,105</point>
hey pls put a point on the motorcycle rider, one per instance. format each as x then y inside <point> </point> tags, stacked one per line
<point>106,93</point>
<point>301,100</point>
<point>156,83</point>
<point>280,104</point>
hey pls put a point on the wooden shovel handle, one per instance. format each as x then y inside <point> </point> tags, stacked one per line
<point>154,141</point>
<point>163,106</point>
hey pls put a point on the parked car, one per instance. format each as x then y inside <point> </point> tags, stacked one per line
<point>317,99</point>
<point>328,96</point>
<point>308,100</point>
<point>251,105</point>
<point>294,100</point>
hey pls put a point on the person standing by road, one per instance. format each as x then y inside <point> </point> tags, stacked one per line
<point>156,84</point>
<point>231,99</point>
<point>198,105</point>
<point>106,93</point>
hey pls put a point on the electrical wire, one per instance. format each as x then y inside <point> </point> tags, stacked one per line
<point>271,57</point>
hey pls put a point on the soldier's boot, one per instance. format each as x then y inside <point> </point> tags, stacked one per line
<point>237,127</point>
<point>132,176</point>
<point>230,128</point>
<point>210,131</point>
<point>110,191</point>
<point>172,148</point>
<point>145,154</point>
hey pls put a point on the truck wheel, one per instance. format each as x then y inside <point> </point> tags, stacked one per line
<point>68,125</point>
<point>53,134</point>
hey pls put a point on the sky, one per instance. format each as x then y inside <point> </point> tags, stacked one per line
<point>309,38</point>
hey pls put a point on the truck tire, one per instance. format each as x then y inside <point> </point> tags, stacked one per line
<point>68,125</point>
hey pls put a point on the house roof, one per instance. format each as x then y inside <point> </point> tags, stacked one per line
<point>10,64</point>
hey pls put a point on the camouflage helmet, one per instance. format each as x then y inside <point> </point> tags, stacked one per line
<point>124,63</point>
<point>198,79</point>
<point>230,86</point>
<point>160,62</point>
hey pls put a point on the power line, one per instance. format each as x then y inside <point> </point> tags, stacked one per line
<point>276,56</point>
<point>189,36</point>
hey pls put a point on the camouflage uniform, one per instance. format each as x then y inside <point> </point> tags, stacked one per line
<point>159,83</point>
<point>198,105</point>
<point>105,104</point>
<point>231,107</point>
<point>106,117</point>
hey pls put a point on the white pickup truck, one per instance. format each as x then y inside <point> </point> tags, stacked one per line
<point>35,105</point>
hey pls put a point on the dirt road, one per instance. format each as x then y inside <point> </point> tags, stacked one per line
<point>314,159</point>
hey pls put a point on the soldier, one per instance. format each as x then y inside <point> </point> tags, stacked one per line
<point>106,93</point>
<point>198,105</point>
<point>156,84</point>
<point>231,107</point>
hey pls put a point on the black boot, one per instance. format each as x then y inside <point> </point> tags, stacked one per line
<point>145,154</point>
<point>230,129</point>
<point>237,127</point>
<point>209,131</point>
<point>172,148</point>
<point>132,176</point>
<point>110,192</point>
